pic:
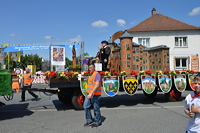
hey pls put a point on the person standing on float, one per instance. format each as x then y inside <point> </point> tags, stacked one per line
<point>104,55</point>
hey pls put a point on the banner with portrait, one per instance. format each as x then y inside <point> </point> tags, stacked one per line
<point>57,55</point>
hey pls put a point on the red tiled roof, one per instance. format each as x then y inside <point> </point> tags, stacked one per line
<point>159,22</point>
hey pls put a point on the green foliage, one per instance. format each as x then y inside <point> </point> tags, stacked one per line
<point>31,60</point>
<point>68,62</point>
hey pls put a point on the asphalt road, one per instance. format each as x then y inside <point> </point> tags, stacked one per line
<point>120,114</point>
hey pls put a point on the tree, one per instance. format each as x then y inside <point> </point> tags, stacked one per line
<point>68,62</point>
<point>31,60</point>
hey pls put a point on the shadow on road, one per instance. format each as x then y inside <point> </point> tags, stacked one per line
<point>62,106</point>
<point>118,100</point>
<point>124,99</point>
<point>14,111</point>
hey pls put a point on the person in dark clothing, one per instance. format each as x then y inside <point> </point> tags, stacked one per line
<point>104,54</point>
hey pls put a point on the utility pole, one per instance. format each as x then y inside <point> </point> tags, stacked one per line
<point>50,64</point>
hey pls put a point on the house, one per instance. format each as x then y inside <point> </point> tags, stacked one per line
<point>129,56</point>
<point>182,39</point>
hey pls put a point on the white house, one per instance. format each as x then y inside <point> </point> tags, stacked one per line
<point>183,39</point>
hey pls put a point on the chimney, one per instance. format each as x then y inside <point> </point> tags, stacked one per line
<point>153,11</point>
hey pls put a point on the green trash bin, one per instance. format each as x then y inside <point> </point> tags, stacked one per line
<point>5,83</point>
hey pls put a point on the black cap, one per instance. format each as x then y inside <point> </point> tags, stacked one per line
<point>104,42</point>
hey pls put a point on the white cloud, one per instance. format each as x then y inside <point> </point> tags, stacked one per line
<point>48,37</point>
<point>195,11</point>
<point>76,39</point>
<point>121,22</point>
<point>12,34</point>
<point>99,24</point>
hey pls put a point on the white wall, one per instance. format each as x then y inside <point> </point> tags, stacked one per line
<point>168,38</point>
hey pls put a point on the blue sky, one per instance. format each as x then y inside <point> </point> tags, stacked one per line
<point>90,21</point>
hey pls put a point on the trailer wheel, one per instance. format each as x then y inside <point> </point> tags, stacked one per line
<point>78,99</point>
<point>173,95</point>
<point>152,95</point>
<point>64,98</point>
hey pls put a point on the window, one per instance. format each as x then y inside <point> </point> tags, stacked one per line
<point>144,41</point>
<point>156,66</point>
<point>133,58</point>
<point>137,50</point>
<point>128,63</point>
<point>181,63</point>
<point>134,67</point>
<point>128,56</point>
<point>180,41</point>
<point>127,46</point>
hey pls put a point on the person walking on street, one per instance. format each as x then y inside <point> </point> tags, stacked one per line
<point>192,107</point>
<point>27,83</point>
<point>93,98</point>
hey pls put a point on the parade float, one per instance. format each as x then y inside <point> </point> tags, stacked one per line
<point>72,85</point>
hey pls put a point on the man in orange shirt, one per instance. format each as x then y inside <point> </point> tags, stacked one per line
<point>27,83</point>
<point>93,98</point>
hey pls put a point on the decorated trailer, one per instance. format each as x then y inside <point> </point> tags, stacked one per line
<point>72,86</point>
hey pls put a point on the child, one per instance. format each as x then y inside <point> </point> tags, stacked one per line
<point>192,107</point>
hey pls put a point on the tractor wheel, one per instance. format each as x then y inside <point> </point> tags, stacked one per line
<point>78,99</point>
<point>64,98</point>
<point>173,95</point>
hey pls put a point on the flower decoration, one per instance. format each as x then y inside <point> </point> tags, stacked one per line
<point>134,73</point>
<point>158,72</point>
<point>189,71</point>
<point>51,74</point>
<point>107,73</point>
<point>86,73</point>
<point>75,74</point>
<point>173,73</point>
<point>166,72</point>
<point>123,73</point>
<point>67,75</point>
<point>116,73</point>
<point>177,72</point>
<point>183,71</point>
<point>141,72</point>
<point>102,73</point>
<point>148,72</point>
